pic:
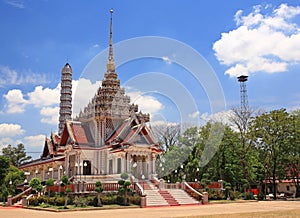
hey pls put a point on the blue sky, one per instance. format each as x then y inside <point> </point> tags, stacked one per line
<point>261,39</point>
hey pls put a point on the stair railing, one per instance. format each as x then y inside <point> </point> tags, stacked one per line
<point>192,192</point>
<point>139,189</point>
<point>18,197</point>
<point>155,181</point>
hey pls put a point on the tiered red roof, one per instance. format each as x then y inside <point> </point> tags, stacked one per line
<point>79,134</point>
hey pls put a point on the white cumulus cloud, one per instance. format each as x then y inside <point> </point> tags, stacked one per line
<point>194,115</point>
<point>15,101</point>
<point>40,97</point>
<point>83,91</point>
<point>44,96</point>
<point>222,116</point>
<point>146,103</point>
<point>10,130</point>
<point>34,141</point>
<point>264,41</point>
<point>50,115</point>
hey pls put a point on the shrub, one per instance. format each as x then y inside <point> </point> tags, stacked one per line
<point>216,195</point>
<point>135,200</point>
<point>109,199</point>
<point>60,201</point>
<point>41,199</point>
<point>261,196</point>
<point>234,195</point>
<point>80,201</point>
<point>92,201</point>
<point>51,201</point>
<point>33,202</point>
<point>70,200</point>
<point>249,196</point>
<point>120,200</point>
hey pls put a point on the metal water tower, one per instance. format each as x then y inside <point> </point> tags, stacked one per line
<point>243,91</point>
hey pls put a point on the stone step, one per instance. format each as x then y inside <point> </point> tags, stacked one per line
<point>153,198</point>
<point>169,198</point>
<point>182,197</point>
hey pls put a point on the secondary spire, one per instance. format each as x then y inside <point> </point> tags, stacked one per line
<point>110,63</point>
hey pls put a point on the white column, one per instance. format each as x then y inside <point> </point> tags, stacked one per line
<point>128,163</point>
<point>123,164</point>
<point>153,164</point>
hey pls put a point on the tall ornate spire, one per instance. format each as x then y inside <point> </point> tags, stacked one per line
<point>110,63</point>
<point>65,109</point>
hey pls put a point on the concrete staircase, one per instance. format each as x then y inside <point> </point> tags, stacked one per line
<point>153,197</point>
<point>166,197</point>
<point>182,197</point>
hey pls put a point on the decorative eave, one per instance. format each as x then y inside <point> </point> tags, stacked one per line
<point>42,162</point>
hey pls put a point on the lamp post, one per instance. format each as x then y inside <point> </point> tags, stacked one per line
<point>143,178</point>
<point>76,170</point>
<point>10,184</point>
<point>51,170</point>
<point>60,171</point>
<point>197,173</point>
<point>80,167</point>
<point>85,165</point>
<point>26,174</point>
<point>134,165</point>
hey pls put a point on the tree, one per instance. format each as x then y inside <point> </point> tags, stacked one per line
<point>4,166</point>
<point>124,186</point>
<point>271,132</point>
<point>49,183</point>
<point>240,119</point>
<point>99,190</point>
<point>64,182</point>
<point>13,177</point>
<point>16,155</point>
<point>35,184</point>
<point>167,134</point>
<point>293,156</point>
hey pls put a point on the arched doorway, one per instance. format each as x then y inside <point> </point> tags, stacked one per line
<point>87,167</point>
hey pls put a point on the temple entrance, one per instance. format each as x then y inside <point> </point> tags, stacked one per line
<point>139,166</point>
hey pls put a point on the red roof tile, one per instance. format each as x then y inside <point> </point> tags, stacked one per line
<point>79,134</point>
<point>116,134</point>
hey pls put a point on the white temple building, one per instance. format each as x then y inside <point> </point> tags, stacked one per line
<point>107,138</point>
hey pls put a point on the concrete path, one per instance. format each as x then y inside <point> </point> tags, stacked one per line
<point>158,212</point>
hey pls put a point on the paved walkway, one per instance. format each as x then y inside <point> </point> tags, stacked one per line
<point>158,212</point>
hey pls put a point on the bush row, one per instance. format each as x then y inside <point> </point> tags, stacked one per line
<point>81,201</point>
<point>232,195</point>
